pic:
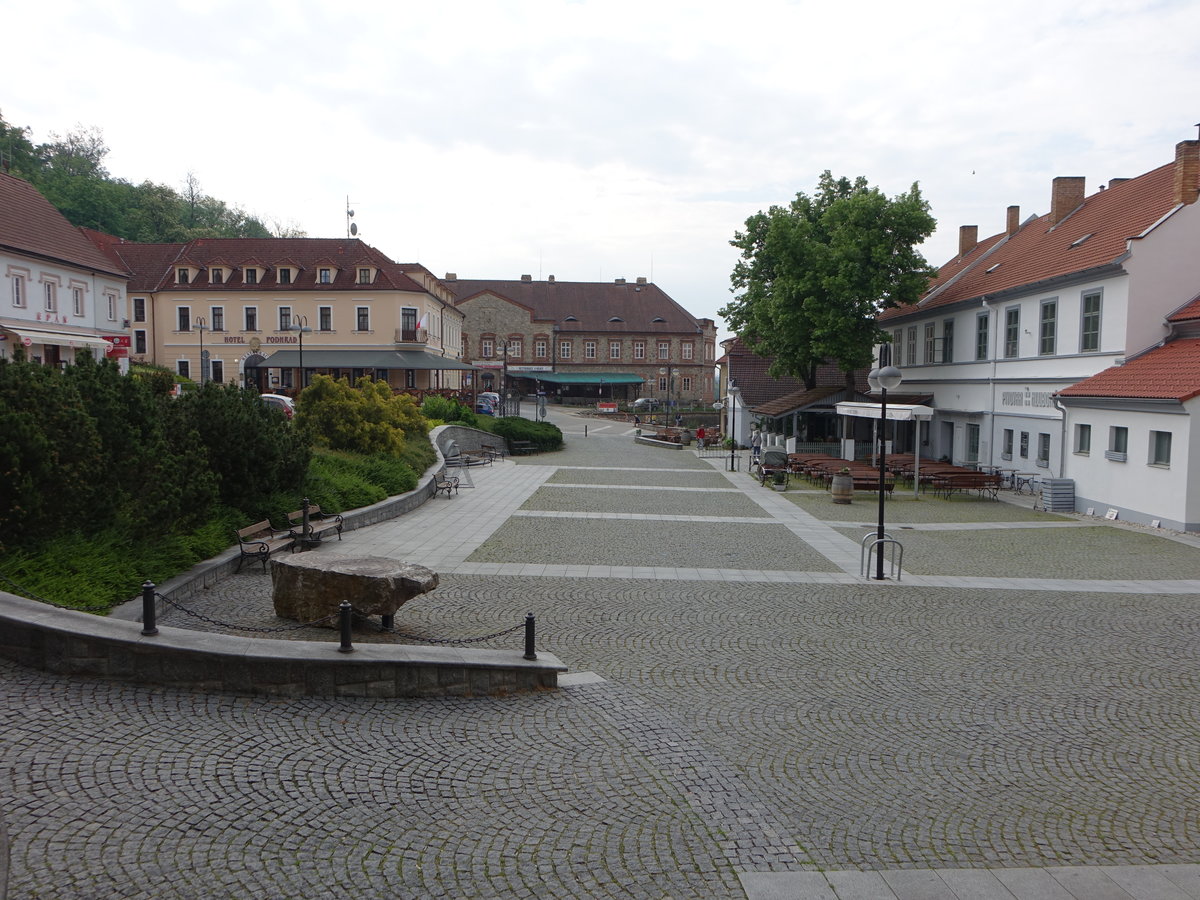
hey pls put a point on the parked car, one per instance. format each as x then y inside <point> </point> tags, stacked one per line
<point>646,403</point>
<point>279,401</point>
<point>491,397</point>
<point>484,409</point>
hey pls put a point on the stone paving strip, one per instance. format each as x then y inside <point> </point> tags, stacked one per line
<point>729,729</point>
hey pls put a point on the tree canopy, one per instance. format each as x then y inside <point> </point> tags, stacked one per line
<point>69,171</point>
<point>813,275</point>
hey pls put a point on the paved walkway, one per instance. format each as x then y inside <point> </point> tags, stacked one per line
<point>746,715</point>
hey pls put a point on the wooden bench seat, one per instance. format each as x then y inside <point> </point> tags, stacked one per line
<point>523,446</point>
<point>444,484</point>
<point>319,525</point>
<point>948,484</point>
<point>259,541</point>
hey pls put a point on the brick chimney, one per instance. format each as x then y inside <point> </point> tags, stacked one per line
<point>968,237</point>
<point>1187,171</point>
<point>1012,222</point>
<point>527,278</point>
<point>1066,197</point>
<point>451,276</point>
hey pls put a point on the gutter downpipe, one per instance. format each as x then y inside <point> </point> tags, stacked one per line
<point>1062,438</point>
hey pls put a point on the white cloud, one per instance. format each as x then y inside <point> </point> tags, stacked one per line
<point>602,139</point>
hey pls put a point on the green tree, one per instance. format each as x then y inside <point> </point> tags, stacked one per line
<point>813,275</point>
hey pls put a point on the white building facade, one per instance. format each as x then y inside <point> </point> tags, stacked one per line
<point>60,295</point>
<point>1015,320</point>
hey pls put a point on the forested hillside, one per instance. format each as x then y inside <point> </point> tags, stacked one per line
<point>69,171</point>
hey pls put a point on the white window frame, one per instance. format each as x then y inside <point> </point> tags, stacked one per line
<point>1118,443</point>
<point>1085,334</point>
<point>249,312</point>
<point>1159,455</point>
<point>50,292</point>
<point>216,315</point>
<point>19,292</point>
<point>183,319</point>
<point>541,348</point>
<point>1043,450</point>
<point>614,349</point>
<point>1012,332</point>
<point>111,302</point>
<point>664,349</point>
<point>564,349</point>
<point>325,318</point>
<point>77,306</point>
<point>947,341</point>
<point>183,367</point>
<point>216,371</point>
<point>982,335</point>
<point>687,351</point>
<point>487,348</point>
<point>324,276</point>
<point>139,309</point>
<point>140,343</point>
<point>359,313</point>
<point>216,275</point>
<point>589,349</point>
<point>639,349</point>
<point>1048,327</point>
<point>1083,439</point>
<point>1006,445</point>
<point>285,319</point>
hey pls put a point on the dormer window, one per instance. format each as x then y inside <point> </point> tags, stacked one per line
<point>325,276</point>
<point>250,275</point>
<point>364,275</point>
<point>570,319</point>
<point>285,275</point>
<point>216,275</point>
<point>182,275</point>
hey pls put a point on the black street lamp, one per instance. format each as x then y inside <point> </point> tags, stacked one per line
<point>882,380</point>
<point>299,324</point>
<point>734,391</point>
<point>202,326</point>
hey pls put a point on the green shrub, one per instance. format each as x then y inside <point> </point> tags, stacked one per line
<point>542,435</point>
<point>366,418</point>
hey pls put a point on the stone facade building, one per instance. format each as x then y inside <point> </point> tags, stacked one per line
<point>590,341</point>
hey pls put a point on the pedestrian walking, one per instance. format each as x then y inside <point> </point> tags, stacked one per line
<point>700,436</point>
<point>755,443</point>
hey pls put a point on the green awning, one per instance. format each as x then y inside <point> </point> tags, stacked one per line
<point>362,359</point>
<point>581,377</point>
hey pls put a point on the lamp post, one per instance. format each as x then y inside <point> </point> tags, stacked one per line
<point>882,380</point>
<point>504,379</point>
<point>202,326</point>
<point>299,325</point>
<point>734,390</point>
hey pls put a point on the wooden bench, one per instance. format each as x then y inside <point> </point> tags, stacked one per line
<point>443,483</point>
<point>319,525</point>
<point>947,484</point>
<point>259,541</point>
<point>523,446</point>
<point>492,451</point>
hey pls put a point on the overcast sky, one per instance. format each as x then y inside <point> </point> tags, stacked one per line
<point>601,139</point>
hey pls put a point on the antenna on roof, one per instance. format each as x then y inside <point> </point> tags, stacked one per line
<point>351,227</point>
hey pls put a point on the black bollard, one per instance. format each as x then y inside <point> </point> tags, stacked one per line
<point>345,612</point>
<point>149,614</point>
<point>529,630</point>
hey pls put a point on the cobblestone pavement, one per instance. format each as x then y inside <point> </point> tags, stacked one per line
<point>716,738</point>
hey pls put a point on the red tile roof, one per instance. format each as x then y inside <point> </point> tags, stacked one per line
<point>1092,236</point>
<point>153,265</point>
<point>1189,313</point>
<point>588,306</point>
<point>1169,372</point>
<point>29,224</point>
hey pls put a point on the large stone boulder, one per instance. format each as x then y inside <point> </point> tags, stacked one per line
<point>311,586</point>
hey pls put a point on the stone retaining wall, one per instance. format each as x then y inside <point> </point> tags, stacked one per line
<point>72,643</point>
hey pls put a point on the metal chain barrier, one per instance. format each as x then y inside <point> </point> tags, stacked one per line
<point>254,629</point>
<point>474,640</point>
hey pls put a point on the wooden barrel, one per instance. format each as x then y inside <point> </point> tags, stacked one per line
<point>842,487</point>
